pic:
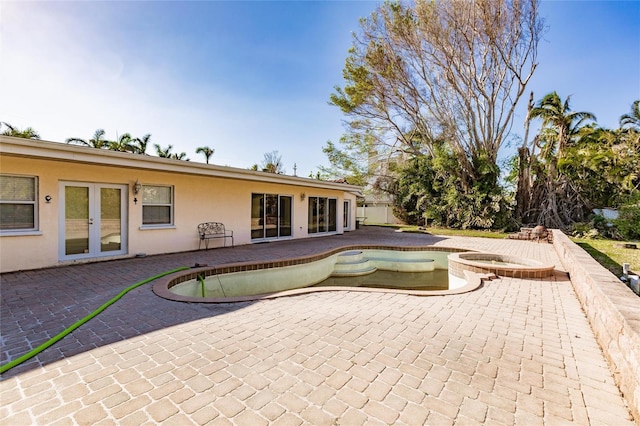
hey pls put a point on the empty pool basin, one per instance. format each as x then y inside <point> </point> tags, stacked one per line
<point>253,281</point>
<point>498,264</point>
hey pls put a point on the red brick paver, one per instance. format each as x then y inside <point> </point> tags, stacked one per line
<point>512,352</point>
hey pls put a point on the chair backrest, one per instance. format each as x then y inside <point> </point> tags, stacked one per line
<point>211,228</point>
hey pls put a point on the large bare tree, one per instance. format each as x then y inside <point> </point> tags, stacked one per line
<point>429,71</point>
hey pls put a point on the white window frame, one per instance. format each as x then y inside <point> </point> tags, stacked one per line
<point>35,230</point>
<point>171,205</point>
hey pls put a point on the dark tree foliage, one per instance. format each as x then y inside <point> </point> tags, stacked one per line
<point>572,168</point>
<point>426,192</point>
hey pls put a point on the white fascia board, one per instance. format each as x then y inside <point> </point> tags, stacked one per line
<point>63,152</point>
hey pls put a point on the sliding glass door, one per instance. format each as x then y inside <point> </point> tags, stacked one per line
<point>323,215</point>
<point>270,216</point>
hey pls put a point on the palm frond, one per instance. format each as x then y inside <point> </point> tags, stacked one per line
<point>77,140</point>
<point>631,120</point>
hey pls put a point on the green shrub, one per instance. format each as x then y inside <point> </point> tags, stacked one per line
<point>628,222</point>
<point>584,230</point>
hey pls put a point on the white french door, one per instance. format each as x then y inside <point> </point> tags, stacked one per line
<point>93,220</point>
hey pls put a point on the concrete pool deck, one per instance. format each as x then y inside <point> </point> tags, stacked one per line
<point>515,351</point>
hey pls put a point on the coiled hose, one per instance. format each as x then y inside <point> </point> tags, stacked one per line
<point>59,336</point>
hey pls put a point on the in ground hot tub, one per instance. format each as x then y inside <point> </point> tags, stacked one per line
<point>498,264</point>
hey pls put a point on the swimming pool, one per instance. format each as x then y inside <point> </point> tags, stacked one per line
<point>254,281</point>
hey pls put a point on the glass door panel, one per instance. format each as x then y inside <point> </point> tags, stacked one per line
<point>345,215</point>
<point>76,220</point>
<point>322,215</point>
<point>271,216</point>
<point>110,219</point>
<point>312,223</point>
<point>257,216</point>
<point>285,216</point>
<point>333,214</point>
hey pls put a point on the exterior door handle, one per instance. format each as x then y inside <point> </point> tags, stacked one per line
<point>90,221</point>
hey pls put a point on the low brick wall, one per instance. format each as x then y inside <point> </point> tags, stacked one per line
<point>613,311</point>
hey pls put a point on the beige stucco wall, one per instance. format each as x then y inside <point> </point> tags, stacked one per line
<point>197,199</point>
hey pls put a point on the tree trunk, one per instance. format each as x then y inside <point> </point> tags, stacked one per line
<point>525,184</point>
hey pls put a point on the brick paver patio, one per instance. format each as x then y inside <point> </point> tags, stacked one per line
<point>512,352</point>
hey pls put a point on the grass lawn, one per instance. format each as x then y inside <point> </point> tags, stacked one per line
<point>610,256</point>
<point>446,231</point>
<point>465,232</point>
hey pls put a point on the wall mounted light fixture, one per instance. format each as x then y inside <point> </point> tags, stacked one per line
<point>48,198</point>
<point>302,196</point>
<point>136,187</point>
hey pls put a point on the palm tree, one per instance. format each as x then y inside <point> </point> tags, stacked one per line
<point>554,201</point>
<point>123,144</point>
<point>98,140</point>
<point>142,144</point>
<point>28,133</point>
<point>560,125</point>
<point>181,156</point>
<point>206,151</point>
<point>163,152</point>
<point>631,120</point>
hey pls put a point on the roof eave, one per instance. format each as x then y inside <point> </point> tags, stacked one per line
<point>62,152</point>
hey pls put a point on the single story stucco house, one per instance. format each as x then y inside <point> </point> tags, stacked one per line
<point>61,204</point>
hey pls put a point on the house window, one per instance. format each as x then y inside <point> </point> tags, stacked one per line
<point>157,205</point>
<point>18,203</point>
<point>323,215</point>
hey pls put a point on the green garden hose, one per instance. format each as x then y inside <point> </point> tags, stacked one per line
<point>57,337</point>
<point>201,279</point>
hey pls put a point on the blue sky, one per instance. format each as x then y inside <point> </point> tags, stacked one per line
<point>247,78</point>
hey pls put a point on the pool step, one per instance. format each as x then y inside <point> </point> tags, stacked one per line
<point>404,265</point>
<point>351,264</point>
<point>354,266</point>
<point>366,269</point>
<point>354,263</point>
<point>350,256</point>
